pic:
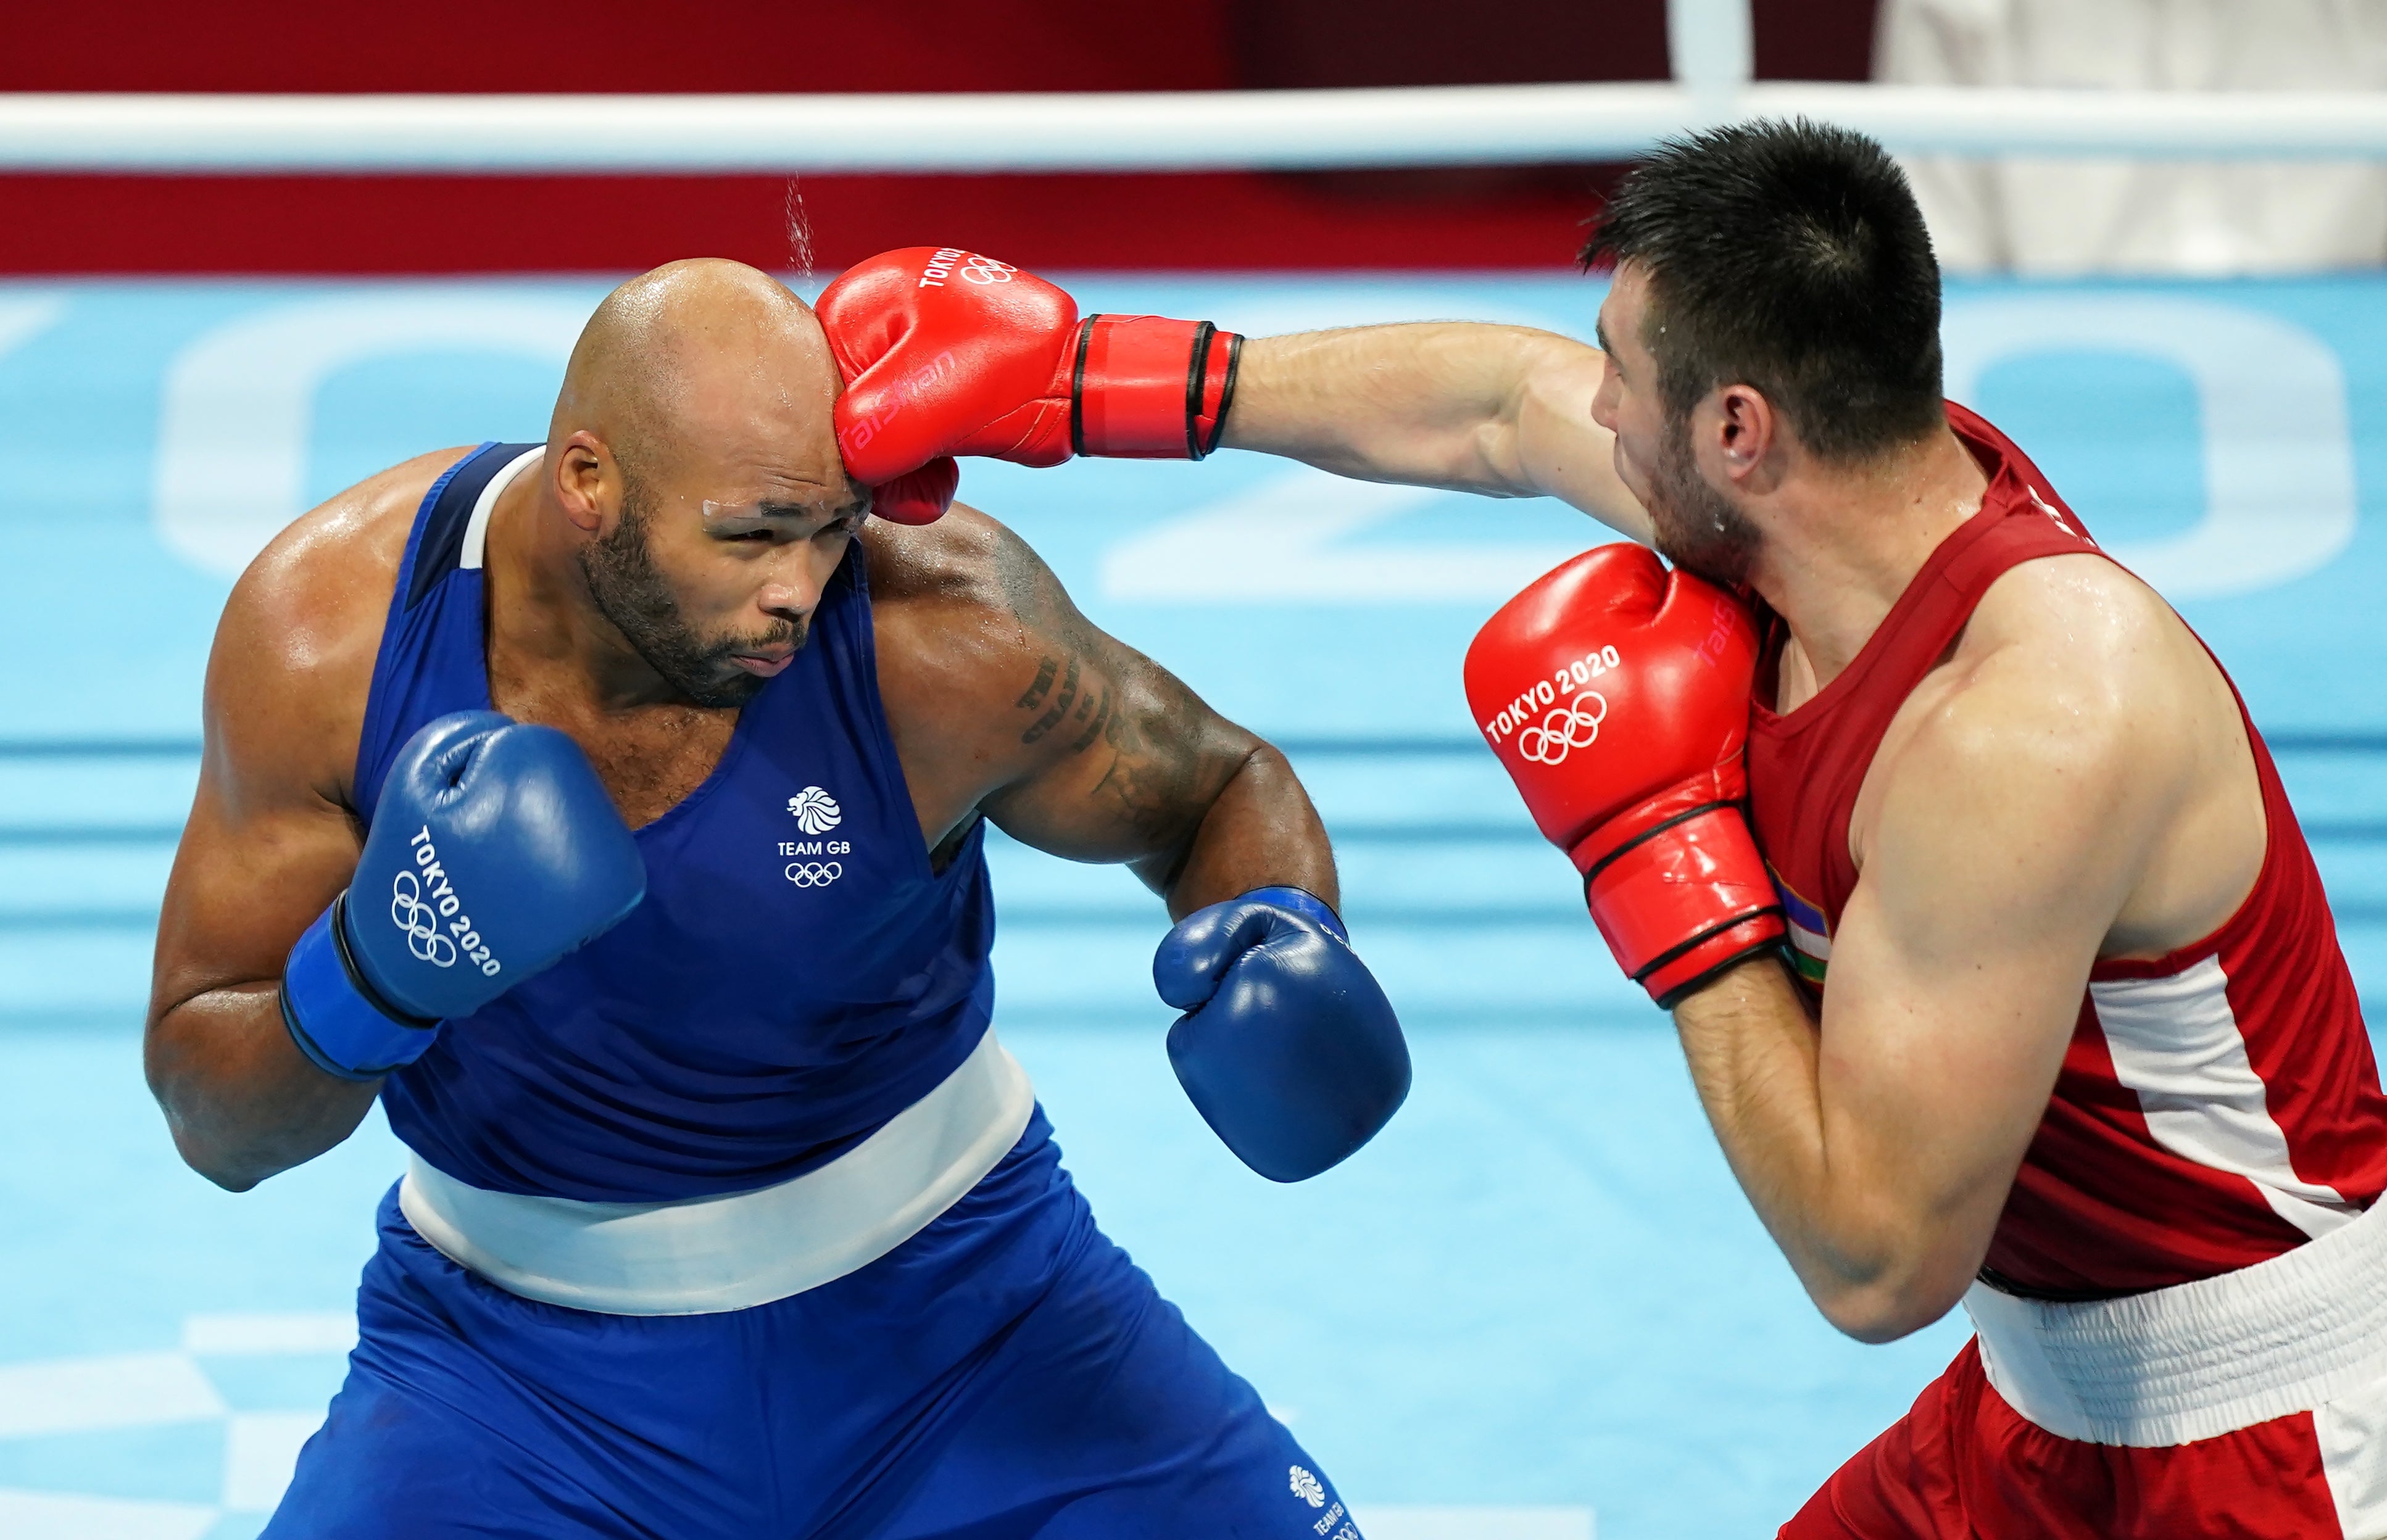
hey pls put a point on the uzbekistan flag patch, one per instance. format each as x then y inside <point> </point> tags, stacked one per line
<point>1811,935</point>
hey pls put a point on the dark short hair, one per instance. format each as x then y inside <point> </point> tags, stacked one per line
<point>1789,257</point>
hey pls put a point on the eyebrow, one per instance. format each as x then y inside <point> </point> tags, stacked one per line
<point>1599,332</point>
<point>776,507</point>
<point>853,508</point>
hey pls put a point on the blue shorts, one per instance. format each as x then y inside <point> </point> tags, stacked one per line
<point>1005,1372</point>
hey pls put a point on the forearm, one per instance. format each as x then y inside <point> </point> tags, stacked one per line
<point>1434,404</point>
<point>1872,1266</point>
<point>241,1101</point>
<point>1260,831</point>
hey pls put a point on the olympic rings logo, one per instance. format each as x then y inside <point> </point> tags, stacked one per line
<point>986,269</point>
<point>1565,729</point>
<point>420,920</point>
<point>815,874</point>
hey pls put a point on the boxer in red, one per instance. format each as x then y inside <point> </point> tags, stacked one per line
<point>2061,1033</point>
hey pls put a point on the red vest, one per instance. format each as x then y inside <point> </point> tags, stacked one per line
<point>2217,1106</point>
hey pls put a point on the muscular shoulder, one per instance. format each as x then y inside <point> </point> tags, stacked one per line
<point>2067,662</point>
<point>963,614</point>
<point>962,599</point>
<point>966,561</point>
<point>2072,725</point>
<point>1001,695</point>
<point>293,651</point>
<point>2069,655</point>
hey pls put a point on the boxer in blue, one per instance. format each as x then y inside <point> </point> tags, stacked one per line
<point>612,809</point>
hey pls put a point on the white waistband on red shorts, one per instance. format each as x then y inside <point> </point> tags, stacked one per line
<point>701,1255</point>
<point>2198,1359</point>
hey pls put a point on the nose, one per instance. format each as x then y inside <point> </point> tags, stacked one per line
<point>784,602</point>
<point>795,585</point>
<point>1604,400</point>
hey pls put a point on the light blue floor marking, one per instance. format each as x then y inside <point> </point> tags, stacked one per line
<point>1539,1294</point>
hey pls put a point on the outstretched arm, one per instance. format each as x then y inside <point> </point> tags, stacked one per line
<point>1504,411</point>
<point>1010,369</point>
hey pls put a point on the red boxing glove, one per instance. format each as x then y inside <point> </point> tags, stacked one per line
<point>945,352</point>
<point>1616,694</point>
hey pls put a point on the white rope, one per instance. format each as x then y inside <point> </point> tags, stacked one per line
<point>1174,130</point>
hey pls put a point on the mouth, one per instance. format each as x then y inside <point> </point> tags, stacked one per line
<point>763,665</point>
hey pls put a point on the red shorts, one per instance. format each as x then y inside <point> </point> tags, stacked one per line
<point>1964,1465</point>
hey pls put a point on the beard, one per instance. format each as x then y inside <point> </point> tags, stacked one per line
<point>633,594</point>
<point>1692,524</point>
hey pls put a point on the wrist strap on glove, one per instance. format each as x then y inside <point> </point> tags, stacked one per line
<point>346,1026</point>
<point>1301,900</point>
<point>1147,388</point>
<point>1682,900</point>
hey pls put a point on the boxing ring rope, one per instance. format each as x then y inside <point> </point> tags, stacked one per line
<point>1091,132</point>
<point>1709,42</point>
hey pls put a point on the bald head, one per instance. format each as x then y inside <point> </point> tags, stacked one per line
<point>692,477</point>
<point>698,367</point>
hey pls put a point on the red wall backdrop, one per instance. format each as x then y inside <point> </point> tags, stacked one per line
<point>1496,218</point>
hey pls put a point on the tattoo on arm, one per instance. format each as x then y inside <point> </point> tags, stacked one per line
<point>1102,715</point>
<point>1163,785</point>
<point>1150,780</point>
<point>1092,718</point>
<point>1060,706</point>
<point>1167,755</point>
<point>1035,693</point>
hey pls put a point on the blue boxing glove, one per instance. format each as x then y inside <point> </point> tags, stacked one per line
<point>495,851</point>
<point>1287,1048</point>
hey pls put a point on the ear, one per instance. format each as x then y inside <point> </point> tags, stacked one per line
<point>1745,430</point>
<point>587,482</point>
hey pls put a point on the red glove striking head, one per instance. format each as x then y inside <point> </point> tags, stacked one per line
<point>945,352</point>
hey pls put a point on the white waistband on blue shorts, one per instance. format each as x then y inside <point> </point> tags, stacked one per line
<point>699,1256</point>
<point>2198,1359</point>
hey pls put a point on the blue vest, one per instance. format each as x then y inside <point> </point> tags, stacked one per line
<point>796,977</point>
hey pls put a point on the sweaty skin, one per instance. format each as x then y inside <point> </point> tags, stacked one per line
<point>713,384</point>
<point>2072,782</point>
